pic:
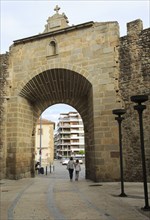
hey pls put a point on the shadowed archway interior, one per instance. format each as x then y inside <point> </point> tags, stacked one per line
<point>56,85</point>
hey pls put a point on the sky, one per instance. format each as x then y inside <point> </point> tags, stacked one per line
<point>20,19</point>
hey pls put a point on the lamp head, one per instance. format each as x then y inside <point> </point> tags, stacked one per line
<point>139,98</point>
<point>119,112</point>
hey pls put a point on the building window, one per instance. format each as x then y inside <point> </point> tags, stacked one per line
<point>52,48</point>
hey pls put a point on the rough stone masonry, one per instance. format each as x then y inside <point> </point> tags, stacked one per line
<point>90,67</point>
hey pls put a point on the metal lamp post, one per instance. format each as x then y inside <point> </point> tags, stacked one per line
<point>139,107</point>
<point>40,152</point>
<point>120,112</point>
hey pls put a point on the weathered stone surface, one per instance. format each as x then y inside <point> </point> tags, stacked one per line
<point>89,67</point>
<point>134,79</point>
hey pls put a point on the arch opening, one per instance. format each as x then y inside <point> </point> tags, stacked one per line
<point>65,141</point>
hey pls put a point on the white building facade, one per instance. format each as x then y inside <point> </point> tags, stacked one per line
<point>44,142</point>
<point>69,139</point>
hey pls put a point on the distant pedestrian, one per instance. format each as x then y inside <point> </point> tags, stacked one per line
<point>37,167</point>
<point>77,169</point>
<point>70,167</point>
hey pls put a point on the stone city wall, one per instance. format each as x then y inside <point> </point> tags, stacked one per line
<point>135,80</point>
<point>3,100</point>
<point>91,52</point>
<point>114,76</point>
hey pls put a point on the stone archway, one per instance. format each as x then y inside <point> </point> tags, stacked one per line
<point>43,90</point>
<point>52,86</point>
<point>83,72</point>
<point>101,70</point>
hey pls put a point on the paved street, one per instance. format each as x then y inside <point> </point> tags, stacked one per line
<point>54,197</point>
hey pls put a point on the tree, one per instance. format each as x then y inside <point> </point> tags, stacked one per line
<point>81,152</point>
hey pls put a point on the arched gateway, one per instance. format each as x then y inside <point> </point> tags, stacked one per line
<point>75,65</point>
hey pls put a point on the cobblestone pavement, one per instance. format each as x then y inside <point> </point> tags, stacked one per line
<point>54,197</point>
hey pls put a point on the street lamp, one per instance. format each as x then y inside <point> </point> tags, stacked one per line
<point>140,108</point>
<point>120,112</point>
<point>40,152</point>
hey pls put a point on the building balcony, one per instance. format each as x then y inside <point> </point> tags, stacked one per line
<point>70,125</point>
<point>76,126</point>
<point>64,132</point>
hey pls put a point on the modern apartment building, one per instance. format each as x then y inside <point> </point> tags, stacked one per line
<point>69,138</point>
<point>44,141</point>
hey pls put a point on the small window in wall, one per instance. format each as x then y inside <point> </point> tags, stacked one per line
<point>52,48</point>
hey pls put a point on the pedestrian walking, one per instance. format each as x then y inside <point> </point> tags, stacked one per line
<point>77,169</point>
<point>70,167</point>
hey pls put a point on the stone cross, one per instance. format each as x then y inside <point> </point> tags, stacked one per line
<point>57,9</point>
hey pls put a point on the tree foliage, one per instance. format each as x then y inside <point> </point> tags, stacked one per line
<point>81,152</point>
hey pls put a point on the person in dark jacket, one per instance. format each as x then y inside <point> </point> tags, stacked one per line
<point>70,167</point>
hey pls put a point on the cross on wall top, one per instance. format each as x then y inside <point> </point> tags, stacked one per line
<point>57,8</point>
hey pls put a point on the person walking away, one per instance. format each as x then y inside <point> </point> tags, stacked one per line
<point>70,167</point>
<point>77,169</point>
